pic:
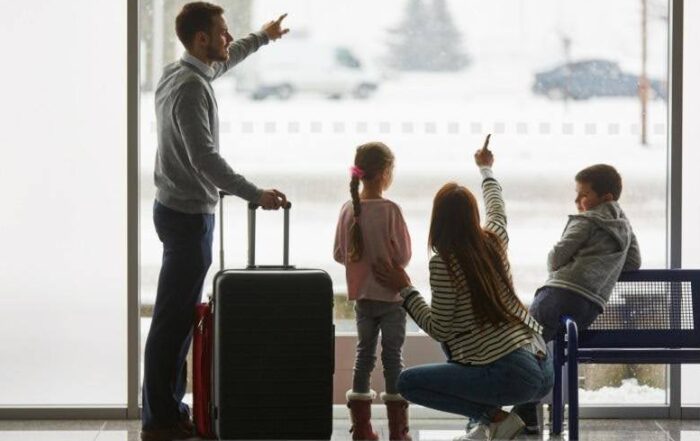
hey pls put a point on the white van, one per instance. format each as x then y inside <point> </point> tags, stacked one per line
<point>290,67</point>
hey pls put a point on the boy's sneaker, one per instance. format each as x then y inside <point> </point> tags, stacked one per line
<point>477,431</point>
<point>531,430</point>
<point>509,428</point>
<point>528,413</point>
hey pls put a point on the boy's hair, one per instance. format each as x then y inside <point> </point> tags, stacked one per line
<point>372,159</point>
<point>195,17</point>
<point>603,179</point>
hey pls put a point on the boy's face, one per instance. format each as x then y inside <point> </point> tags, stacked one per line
<point>587,199</point>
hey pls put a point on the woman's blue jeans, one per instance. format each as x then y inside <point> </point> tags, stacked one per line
<point>477,391</point>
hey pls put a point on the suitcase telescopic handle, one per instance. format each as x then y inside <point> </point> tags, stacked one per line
<point>221,227</point>
<point>252,207</point>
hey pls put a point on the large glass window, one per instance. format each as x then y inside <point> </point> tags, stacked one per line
<point>561,85</point>
<point>63,298</point>
<point>691,158</point>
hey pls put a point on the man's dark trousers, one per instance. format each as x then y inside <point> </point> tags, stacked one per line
<point>187,255</point>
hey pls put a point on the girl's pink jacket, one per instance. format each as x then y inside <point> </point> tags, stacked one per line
<point>385,237</point>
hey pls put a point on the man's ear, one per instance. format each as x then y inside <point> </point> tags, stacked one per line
<point>607,197</point>
<point>201,38</point>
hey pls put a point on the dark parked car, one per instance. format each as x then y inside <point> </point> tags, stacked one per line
<point>592,78</point>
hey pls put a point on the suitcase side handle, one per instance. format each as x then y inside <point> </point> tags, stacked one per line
<point>252,208</point>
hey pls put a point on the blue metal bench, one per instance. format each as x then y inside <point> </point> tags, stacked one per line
<point>653,317</point>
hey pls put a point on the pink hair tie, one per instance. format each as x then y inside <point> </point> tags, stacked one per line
<point>356,172</point>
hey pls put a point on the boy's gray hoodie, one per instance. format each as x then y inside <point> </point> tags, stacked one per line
<point>596,246</point>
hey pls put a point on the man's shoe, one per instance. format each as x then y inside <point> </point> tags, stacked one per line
<point>188,425</point>
<point>183,430</point>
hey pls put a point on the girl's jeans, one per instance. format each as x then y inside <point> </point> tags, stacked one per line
<point>373,316</point>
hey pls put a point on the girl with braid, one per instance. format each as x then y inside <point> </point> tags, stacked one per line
<point>372,229</point>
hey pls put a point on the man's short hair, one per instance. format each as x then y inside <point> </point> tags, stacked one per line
<point>603,179</point>
<point>195,17</point>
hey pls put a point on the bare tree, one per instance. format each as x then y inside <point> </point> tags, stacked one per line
<point>426,39</point>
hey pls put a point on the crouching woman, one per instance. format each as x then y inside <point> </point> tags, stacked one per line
<point>496,355</point>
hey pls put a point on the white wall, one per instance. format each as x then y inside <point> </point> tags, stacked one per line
<point>63,192</point>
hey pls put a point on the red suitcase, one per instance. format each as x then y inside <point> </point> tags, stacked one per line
<point>201,371</point>
<point>203,355</point>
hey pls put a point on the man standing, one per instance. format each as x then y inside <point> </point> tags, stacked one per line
<point>188,173</point>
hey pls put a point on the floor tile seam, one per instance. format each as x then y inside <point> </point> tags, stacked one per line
<point>668,434</point>
<point>99,431</point>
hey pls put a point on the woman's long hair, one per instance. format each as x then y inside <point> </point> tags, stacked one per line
<point>456,235</point>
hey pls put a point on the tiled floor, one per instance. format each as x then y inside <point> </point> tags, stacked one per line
<point>422,430</point>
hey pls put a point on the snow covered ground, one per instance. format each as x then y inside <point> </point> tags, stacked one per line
<point>305,147</point>
<point>630,392</point>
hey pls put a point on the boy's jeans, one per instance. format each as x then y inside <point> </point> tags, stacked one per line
<point>551,303</point>
<point>549,306</point>
<point>371,317</point>
<point>476,391</point>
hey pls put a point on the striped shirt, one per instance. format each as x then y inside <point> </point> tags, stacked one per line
<point>450,319</point>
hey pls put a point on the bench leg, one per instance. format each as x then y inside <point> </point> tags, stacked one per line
<point>557,401</point>
<point>572,365</point>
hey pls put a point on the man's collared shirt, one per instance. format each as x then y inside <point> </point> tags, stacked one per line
<point>203,67</point>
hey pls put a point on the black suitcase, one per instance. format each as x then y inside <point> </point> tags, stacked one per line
<point>274,353</point>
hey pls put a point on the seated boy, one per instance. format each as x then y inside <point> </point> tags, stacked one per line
<point>597,245</point>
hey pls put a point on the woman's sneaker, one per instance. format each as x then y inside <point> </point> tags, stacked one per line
<point>477,431</point>
<point>508,428</point>
<point>528,413</point>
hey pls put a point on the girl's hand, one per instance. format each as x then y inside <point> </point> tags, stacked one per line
<point>483,157</point>
<point>393,277</point>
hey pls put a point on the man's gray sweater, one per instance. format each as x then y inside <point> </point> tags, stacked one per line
<point>189,169</point>
<point>596,246</point>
